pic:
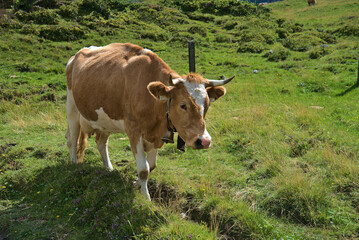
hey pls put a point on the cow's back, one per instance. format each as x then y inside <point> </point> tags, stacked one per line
<point>113,78</point>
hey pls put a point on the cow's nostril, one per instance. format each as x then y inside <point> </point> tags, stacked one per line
<point>206,143</point>
<point>199,143</point>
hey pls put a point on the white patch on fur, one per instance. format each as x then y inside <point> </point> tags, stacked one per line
<point>92,47</point>
<point>145,51</point>
<point>106,124</point>
<point>206,135</point>
<point>198,92</point>
<point>68,63</point>
<point>73,125</point>
<point>142,165</point>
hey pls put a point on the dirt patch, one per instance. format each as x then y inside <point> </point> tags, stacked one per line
<point>191,209</point>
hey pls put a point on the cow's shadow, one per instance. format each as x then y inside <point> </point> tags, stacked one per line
<point>89,201</point>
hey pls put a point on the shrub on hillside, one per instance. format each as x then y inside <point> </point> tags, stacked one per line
<point>201,16</point>
<point>220,7</point>
<point>319,51</point>
<point>302,41</point>
<point>98,7</point>
<point>292,27</point>
<point>121,5</point>
<point>30,29</point>
<point>40,16</point>
<point>251,47</point>
<point>7,23</point>
<point>222,38</point>
<point>72,9</point>
<point>160,15</point>
<point>232,7</point>
<point>269,36</point>
<point>156,35</point>
<point>229,25</point>
<point>279,53</point>
<point>197,29</point>
<point>69,10</point>
<point>250,35</point>
<point>257,23</point>
<point>282,33</point>
<point>28,5</point>
<point>62,33</point>
<point>327,37</point>
<point>348,30</point>
<point>256,30</point>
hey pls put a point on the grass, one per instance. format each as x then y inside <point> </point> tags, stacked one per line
<point>284,161</point>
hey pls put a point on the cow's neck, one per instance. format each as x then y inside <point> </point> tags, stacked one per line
<point>168,137</point>
<point>156,130</point>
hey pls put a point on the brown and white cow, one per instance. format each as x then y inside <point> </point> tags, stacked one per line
<point>312,2</point>
<point>126,88</point>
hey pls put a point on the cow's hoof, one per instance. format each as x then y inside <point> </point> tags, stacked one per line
<point>137,184</point>
<point>146,194</point>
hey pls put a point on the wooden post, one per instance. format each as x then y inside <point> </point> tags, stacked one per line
<point>191,56</point>
<point>358,74</point>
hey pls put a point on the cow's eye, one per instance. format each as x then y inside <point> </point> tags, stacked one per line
<point>183,106</point>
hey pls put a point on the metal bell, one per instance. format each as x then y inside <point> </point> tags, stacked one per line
<point>181,145</point>
<point>168,138</point>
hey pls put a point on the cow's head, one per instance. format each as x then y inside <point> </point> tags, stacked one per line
<point>189,98</point>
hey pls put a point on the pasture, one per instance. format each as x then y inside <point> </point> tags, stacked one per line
<point>284,157</point>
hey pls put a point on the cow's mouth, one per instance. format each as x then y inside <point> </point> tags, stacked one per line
<point>200,143</point>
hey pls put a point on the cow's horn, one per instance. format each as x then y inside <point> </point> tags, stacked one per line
<point>172,82</point>
<point>213,83</point>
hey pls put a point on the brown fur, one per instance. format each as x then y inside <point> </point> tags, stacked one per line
<point>194,77</point>
<point>143,175</point>
<point>312,2</point>
<point>216,92</point>
<point>115,78</point>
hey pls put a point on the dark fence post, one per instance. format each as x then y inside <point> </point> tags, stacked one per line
<point>181,145</point>
<point>191,55</point>
<point>358,74</point>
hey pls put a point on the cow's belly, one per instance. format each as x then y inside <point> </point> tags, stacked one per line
<point>103,123</point>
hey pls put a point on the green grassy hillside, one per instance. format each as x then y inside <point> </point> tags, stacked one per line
<point>284,157</point>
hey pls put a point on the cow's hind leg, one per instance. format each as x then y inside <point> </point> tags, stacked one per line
<point>102,143</point>
<point>73,129</point>
<point>81,146</point>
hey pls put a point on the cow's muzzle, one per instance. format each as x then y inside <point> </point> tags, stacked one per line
<point>203,143</point>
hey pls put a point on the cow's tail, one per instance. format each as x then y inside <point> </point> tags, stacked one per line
<point>81,146</point>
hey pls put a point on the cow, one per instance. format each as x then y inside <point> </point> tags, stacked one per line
<point>312,2</point>
<point>124,88</point>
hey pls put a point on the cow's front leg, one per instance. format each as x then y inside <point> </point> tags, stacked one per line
<point>143,168</point>
<point>152,158</point>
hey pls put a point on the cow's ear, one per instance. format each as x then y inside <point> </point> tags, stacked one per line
<point>159,91</point>
<point>215,92</point>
